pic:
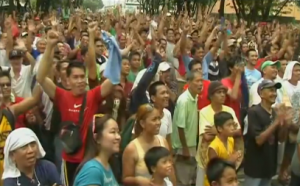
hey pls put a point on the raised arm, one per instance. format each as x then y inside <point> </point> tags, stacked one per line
<point>28,103</point>
<point>91,59</point>
<point>45,66</point>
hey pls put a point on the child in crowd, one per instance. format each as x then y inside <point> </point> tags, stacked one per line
<point>223,144</point>
<point>221,173</point>
<point>159,164</point>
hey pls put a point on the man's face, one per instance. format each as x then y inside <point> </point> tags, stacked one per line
<point>219,96</point>
<point>197,68</point>
<point>269,94</point>
<point>296,73</point>
<point>270,72</point>
<point>77,80</point>
<point>163,43</point>
<point>162,96</point>
<point>125,67</point>
<point>61,47</point>
<point>195,36</point>
<point>41,45</point>
<point>5,84</point>
<point>16,62</point>
<point>84,41</point>
<point>245,48</point>
<point>274,49</point>
<point>252,57</point>
<point>197,83</point>
<point>199,54</point>
<point>135,62</point>
<point>170,35</point>
<point>99,48</point>
<point>166,76</point>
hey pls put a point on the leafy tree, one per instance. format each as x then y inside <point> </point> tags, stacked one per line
<point>93,4</point>
<point>259,10</point>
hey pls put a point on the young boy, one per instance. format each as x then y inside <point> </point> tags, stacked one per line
<point>223,144</point>
<point>159,164</point>
<point>221,173</point>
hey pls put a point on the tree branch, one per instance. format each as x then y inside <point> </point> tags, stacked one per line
<point>283,5</point>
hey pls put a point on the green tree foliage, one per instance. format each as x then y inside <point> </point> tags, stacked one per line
<point>93,4</point>
<point>259,10</point>
<point>249,10</point>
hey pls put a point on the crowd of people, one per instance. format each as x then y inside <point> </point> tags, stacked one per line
<point>137,100</point>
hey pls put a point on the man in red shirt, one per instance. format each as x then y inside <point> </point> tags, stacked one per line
<point>69,102</point>
<point>203,101</point>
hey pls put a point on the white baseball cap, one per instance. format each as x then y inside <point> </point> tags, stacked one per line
<point>163,66</point>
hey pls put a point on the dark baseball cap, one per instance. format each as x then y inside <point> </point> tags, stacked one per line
<point>15,54</point>
<point>268,84</point>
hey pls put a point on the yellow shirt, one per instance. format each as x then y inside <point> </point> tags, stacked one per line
<point>5,129</point>
<point>218,146</point>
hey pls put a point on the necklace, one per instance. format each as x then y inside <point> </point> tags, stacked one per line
<point>31,180</point>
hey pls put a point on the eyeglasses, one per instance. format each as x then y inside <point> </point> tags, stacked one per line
<point>94,120</point>
<point>5,84</point>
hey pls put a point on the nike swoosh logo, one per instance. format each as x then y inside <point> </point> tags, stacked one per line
<point>77,106</point>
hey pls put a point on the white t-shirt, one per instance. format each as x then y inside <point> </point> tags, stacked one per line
<point>47,110</point>
<point>22,85</point>
<point>168,182</point>
<point>166,124</point>
<point>290,89</point>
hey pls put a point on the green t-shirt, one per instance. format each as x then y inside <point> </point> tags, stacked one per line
<point>131,76</point>
<point>113,32</point>
<point>186,117</point>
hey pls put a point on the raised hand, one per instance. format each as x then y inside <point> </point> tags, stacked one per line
<point>31,26</point>
<point>186,26</point>
<point>20,44</point>
<point>54,21</point>
<point>8,22</point>
<point>52,38</point>
<point>92,27</point>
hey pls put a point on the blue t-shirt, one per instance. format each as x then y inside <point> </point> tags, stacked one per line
<point>252,76</point>
<point>208,58</point>
<point>35,53</point>
<point>46,175</point>
<point>93,173</point>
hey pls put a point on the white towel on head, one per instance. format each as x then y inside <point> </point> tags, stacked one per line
<point>289,70</point>
<point>16,139</point>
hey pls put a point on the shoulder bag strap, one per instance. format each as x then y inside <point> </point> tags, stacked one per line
<point>10,117</point>
<point>81,113</point>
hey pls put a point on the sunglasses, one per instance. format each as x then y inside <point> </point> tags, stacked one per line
<point>5,84</point>
<point>94,121</point>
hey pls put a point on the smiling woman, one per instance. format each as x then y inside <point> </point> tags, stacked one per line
<point>21,161</point>
<point>103,141</point>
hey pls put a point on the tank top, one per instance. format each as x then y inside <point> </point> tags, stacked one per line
<point>140,167</point>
